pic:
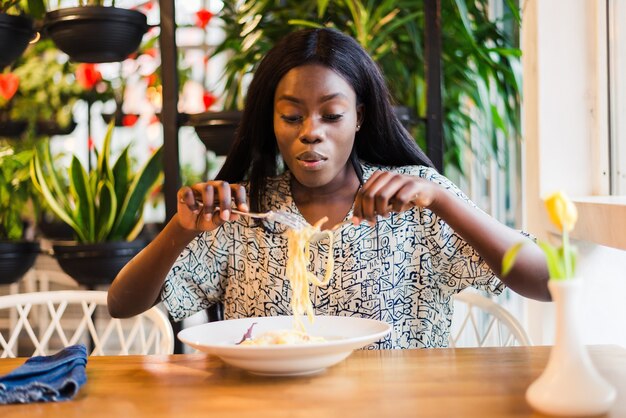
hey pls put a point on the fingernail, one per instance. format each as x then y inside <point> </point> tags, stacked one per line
<point>225,214</point>
<point>244,206</point>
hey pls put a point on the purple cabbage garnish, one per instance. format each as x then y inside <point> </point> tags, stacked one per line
<point>248,334</point>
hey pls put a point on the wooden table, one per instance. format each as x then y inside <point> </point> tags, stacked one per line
<point>466,382</point>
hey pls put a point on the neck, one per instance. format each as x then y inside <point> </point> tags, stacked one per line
<point>345,184</point>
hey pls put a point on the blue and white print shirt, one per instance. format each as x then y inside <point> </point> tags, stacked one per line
<point>403,270</point>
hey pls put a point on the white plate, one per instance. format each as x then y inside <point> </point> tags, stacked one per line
<point>344,334</point>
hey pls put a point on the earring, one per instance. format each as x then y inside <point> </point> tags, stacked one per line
<point>358,127</point>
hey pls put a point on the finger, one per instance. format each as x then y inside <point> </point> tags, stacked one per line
<point>187,200</point>
<point>241,200</point>
<point>208,197</point>
<point>370,192</point>
<point>403,199</point>
<point>224,199</point>
<point>388,193</point>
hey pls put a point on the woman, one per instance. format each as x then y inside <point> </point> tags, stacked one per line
<point>319,138</point>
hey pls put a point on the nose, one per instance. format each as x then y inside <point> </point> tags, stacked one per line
<point>311,131</point>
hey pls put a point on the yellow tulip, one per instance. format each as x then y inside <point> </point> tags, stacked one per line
<point>562,211</point>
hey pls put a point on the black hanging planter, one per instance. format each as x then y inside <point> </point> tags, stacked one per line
<point>96,33</point>
<point>15,129</point>
<point>95,264</point>
<point>216,129</point>
<point>15,33</point>
<point>16,258</point>
<point>12,129</point>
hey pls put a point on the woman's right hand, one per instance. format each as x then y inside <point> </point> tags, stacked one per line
<point>205,206</point>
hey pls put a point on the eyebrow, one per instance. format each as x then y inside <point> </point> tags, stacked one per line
<point>323,98</point>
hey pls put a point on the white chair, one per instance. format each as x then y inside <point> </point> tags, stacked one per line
<point>484,323</point>
<point>48,321</point>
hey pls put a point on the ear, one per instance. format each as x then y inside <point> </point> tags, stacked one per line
<point>360,113</point>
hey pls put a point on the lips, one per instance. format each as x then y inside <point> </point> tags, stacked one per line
<point>311,156</point>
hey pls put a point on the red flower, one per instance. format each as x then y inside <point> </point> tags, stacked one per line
<point>151,52</point>
<point>208,100</point>
<point>203,16</point>
<point>129,120</point>
<point>87,75</point>
<point>8,85</point>
<point>151,79</point>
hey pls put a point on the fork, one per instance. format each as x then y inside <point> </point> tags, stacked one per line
<point>286,218</point>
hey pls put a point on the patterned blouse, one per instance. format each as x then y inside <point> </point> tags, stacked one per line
<point>403,270</point>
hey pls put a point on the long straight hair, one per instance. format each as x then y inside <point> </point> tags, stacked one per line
<point>381,140</point>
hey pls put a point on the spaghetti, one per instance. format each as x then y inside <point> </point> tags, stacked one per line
<point>299,277</point>
<point>298,273</point>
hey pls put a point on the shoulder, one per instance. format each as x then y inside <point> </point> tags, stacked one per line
<point>422,171</point>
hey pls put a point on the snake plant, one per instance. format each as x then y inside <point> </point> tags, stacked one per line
<point>105,204</point>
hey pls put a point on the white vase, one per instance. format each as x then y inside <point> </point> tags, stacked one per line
<point>570,384</point>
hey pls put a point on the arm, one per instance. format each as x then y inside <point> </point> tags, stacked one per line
<point>138,285</point>
<point>492,239</point>
<point>385,192</point>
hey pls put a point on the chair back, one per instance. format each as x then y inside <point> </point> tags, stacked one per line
<point>48,321</point>
<point>483,323</point>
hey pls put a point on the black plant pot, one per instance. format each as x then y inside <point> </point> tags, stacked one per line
<point>96,33</point>
<point>15,129</point>
<point>15,33</point>
<point>95,264</point>
<point>12,129</point>
<point>49,128</point>
<point>216,129</point>
<point>16,257</point>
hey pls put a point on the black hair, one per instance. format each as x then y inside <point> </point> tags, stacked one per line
<point>381,139</point>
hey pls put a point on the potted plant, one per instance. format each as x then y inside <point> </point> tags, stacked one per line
<point>479,62</point>
<point>93,32</point>
<point>16,27</point>
<point>44,88</point>
<point>17,255</point>
<point>104,207</point>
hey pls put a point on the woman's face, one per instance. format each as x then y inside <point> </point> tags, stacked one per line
<point>315,121</point>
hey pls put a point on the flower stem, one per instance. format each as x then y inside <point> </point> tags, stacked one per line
<point>567,255</point>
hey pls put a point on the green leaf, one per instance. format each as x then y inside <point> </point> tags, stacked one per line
<point>509,257</point>
<point>41,181</point>
<point>555,265</point>
<point>122,175</point>
<point>107,209</point>
<point>80,191</point>
<point>103,169</point>
<point>138,192</point>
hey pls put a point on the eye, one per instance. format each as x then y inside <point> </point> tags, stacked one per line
<point>291,118</point>
<point>333,116</point>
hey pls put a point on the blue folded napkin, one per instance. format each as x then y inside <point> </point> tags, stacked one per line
<point>46,378</point>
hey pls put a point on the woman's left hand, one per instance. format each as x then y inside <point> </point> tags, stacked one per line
<point>386,192</point>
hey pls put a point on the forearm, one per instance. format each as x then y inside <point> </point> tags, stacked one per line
<point>137,286</point>
<point>492,239</point>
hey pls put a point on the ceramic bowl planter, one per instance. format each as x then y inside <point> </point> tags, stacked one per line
<point>16,258</point>
<point>216,129</point>
<point>15,33</point>
<point>95,264</point>
<point>95,33</point>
